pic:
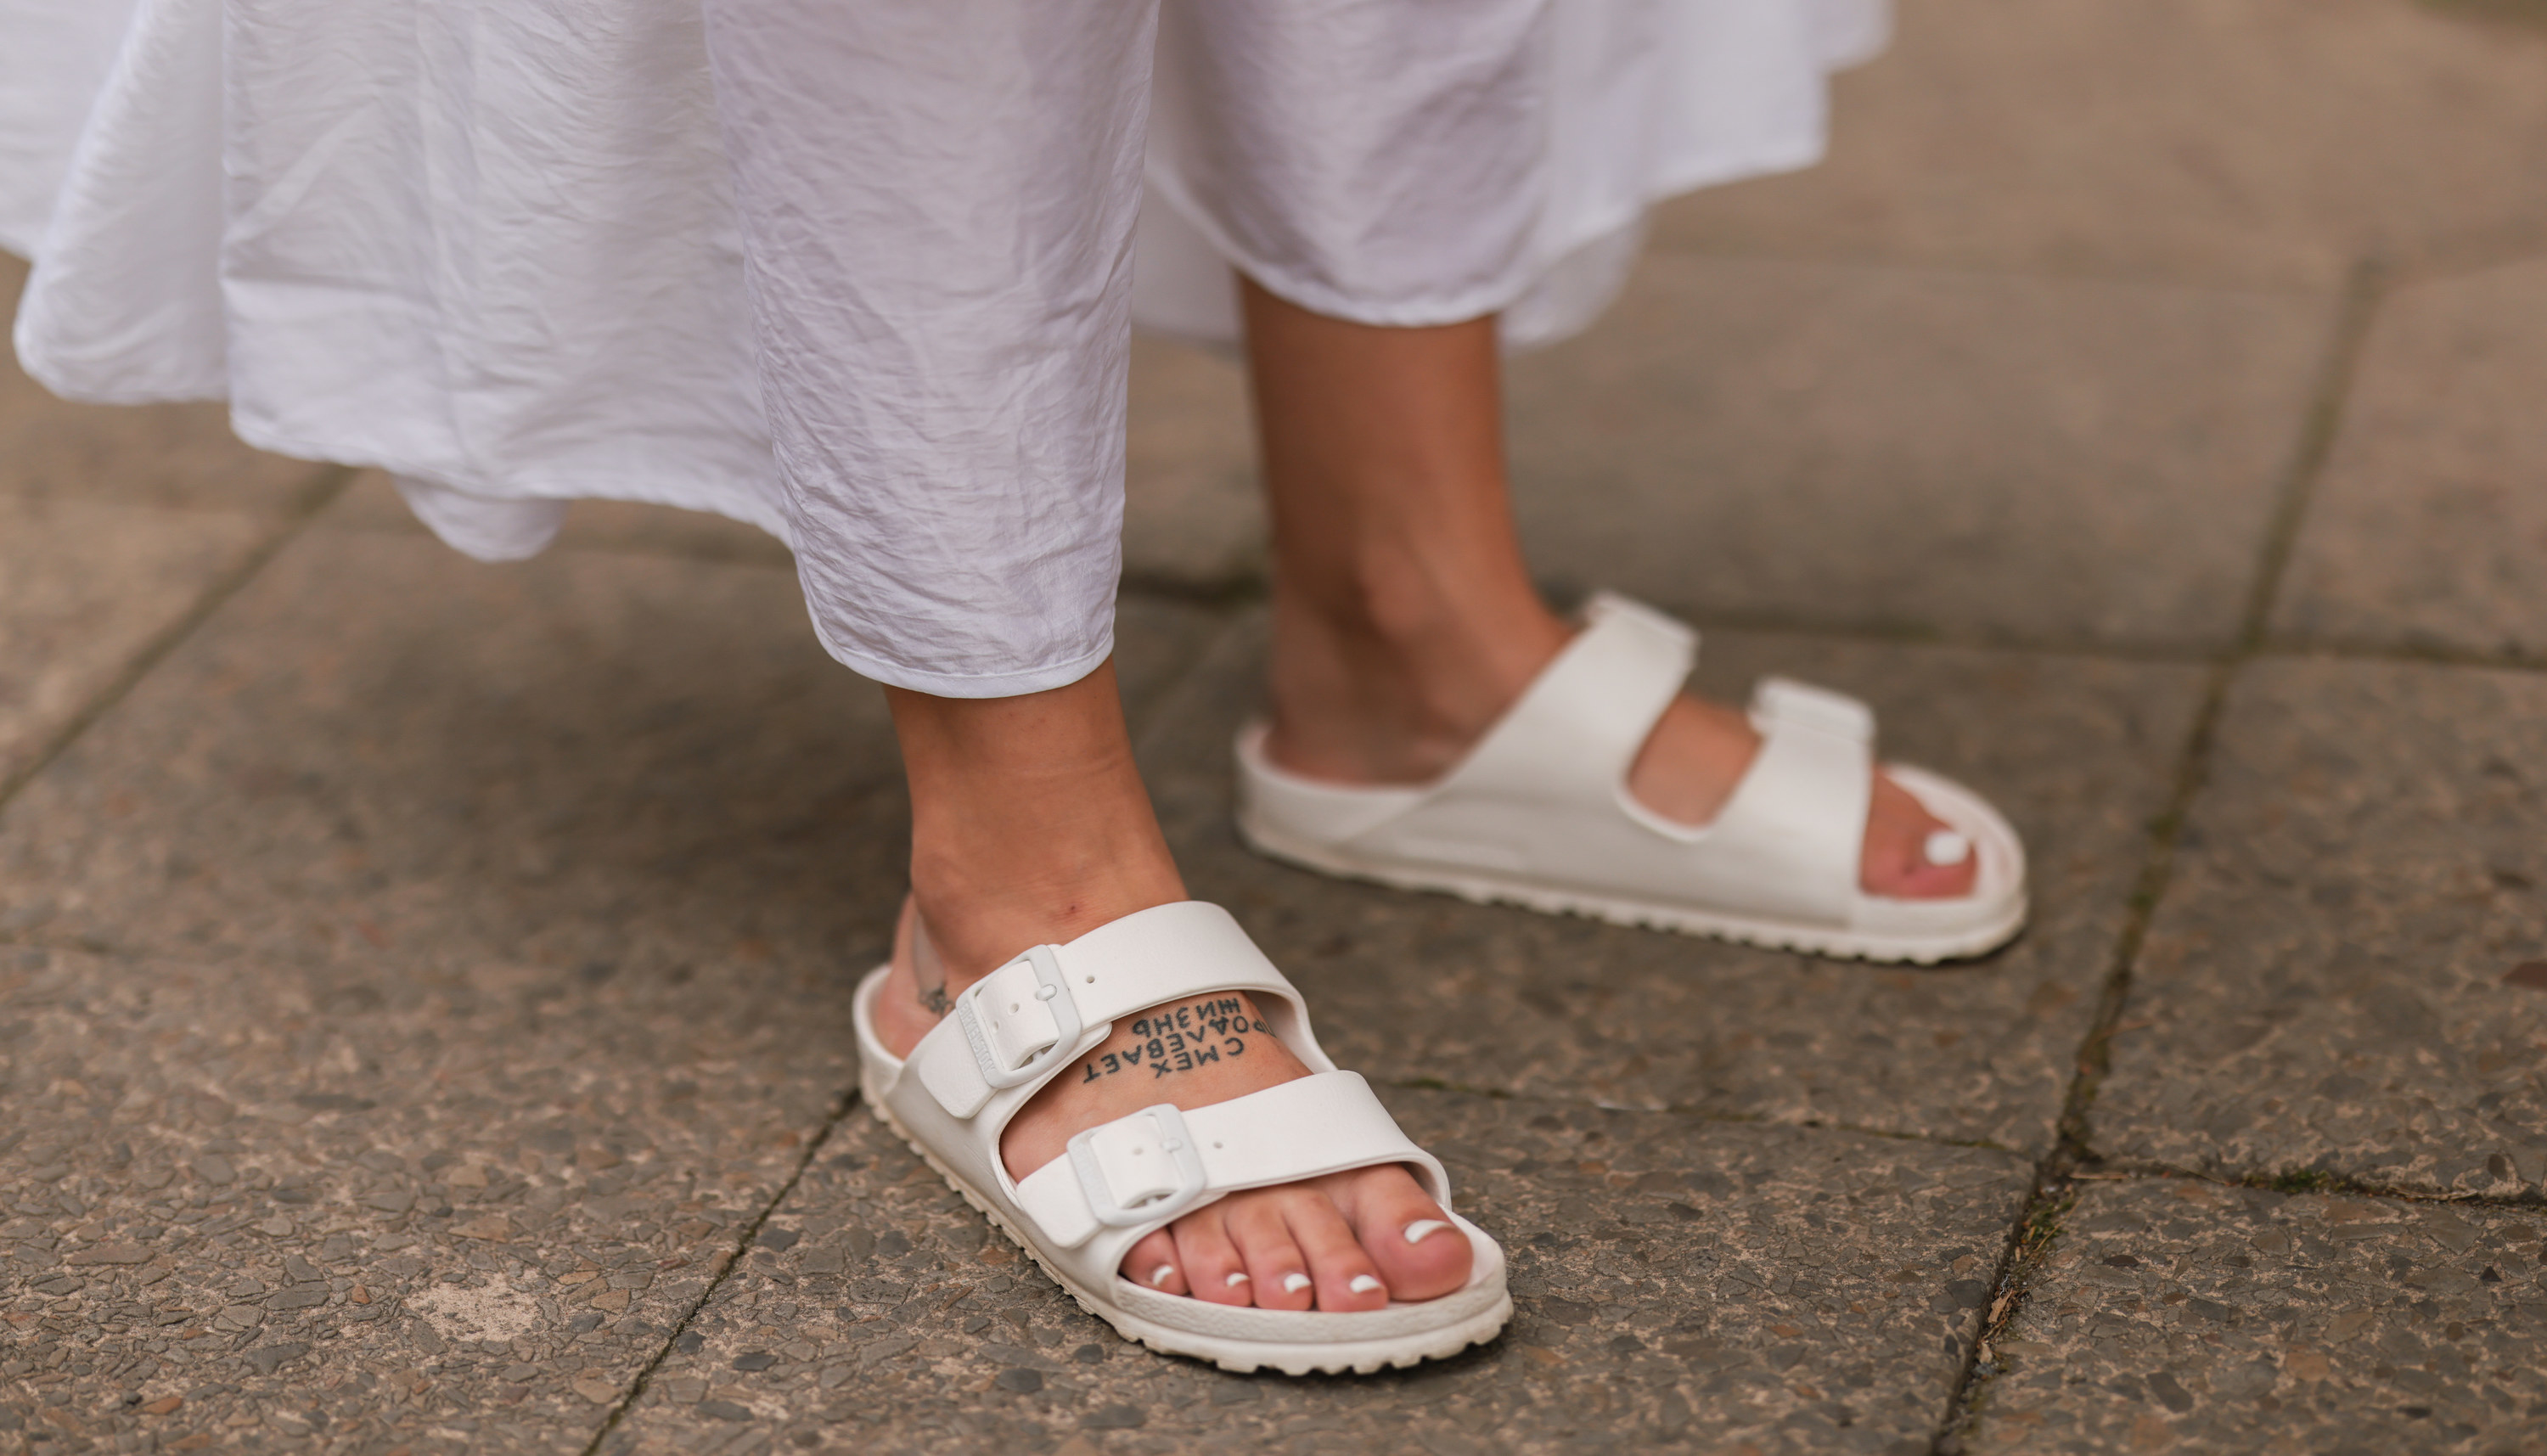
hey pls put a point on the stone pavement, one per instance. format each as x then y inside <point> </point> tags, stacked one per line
<point>423,985</point>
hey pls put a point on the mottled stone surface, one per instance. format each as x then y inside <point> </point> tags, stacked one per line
<point>2077,751</point>
<point>1966,454</point>
<point>2254,141</point>
<point>160,455</point>
<point>593,758</point>
<point>373,1199</point>
<point>2430,529</point>
<point>84,588</point>
<point>1678,1283</point>
<point>2183,1316</point>
<point>2350,971</point>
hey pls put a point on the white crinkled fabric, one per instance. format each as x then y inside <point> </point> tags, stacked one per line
<point>858,274</point>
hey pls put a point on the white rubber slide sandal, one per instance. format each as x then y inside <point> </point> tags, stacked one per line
<point>1540,815</point>
<point>1032,1020</point>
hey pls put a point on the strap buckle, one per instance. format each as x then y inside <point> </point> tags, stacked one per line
<point>1148,1159</point>
<point>1051,993</point>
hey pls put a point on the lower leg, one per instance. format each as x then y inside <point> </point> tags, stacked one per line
<point>1404,618</point>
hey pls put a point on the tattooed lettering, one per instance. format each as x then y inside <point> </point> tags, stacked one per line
<point>1173,1039</point>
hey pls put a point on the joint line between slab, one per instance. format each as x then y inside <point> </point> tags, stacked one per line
<point>743,1247</point>
<point>2035,1226</point>
<point>326,483</point>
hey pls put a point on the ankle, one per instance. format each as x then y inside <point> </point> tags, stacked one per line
<point>1394,680</point>
<point>980,908</point>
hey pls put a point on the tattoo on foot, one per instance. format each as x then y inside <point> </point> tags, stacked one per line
<point>934,999</point>
<point>1173,1039</point>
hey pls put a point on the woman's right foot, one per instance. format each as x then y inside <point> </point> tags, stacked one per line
<point>1351,1241</point>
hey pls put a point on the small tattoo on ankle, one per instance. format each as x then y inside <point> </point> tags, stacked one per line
<point>934,999</point>
<point>1173,1039</point>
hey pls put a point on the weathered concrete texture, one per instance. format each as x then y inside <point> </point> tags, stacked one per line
<point>374,1202</point>
<point>2025,459</point>
<point>2430,525</point>
<point>2254,141</point>
<point>2183,1316</point>
<point>591,759</point>
<point>480,937</point>
<point>161,455</point>
<point>2346,974</point>
<point>2077,751</point>
<point>1679,1283</point>
<point>86,587</point>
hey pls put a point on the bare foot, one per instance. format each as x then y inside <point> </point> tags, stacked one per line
<point>1374,711</point>
<point>1701,750</point>
<point>1351,1241</point>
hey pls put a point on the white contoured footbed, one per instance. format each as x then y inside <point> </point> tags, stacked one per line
<point>1037,1017</point>
<point>1540,815</point>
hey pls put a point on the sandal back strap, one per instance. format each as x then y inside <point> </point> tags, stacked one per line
<point>1136,1173</point>
<point>1023,1024</point>
<point>1574,733</point>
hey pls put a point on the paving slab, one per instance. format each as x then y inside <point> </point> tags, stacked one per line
<point>2078,751</point>
<point>2428,529</point>
<point>1679,1284</point>
<point>2346,974</point>
<point>479,937</point>
<point>589,758</point>
<point>160,454</point>
<point>2183,1316</point>
<point>377,1200</point>
<point>1943,454</point>
<point>2253,142</point>
<point>84,588</point>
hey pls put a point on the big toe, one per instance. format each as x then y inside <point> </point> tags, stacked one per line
<point>1419,1254</point>
<point>1910,853</point>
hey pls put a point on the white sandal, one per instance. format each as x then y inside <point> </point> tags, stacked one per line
<point>1540,815</point>
<point>1032,1019</point>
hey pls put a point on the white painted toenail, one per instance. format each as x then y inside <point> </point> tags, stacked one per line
<point>1235,1280</point>
<point>1417,1232</point>
<point>1294,1283</point>
<point>1160,1275</point>
<point>1946,847</point>
<point>1362,1284</point>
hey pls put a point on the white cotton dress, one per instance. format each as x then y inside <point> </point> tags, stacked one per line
<point>859,274</point>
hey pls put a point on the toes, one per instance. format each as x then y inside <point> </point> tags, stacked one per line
<point>1211,1261</point>
<point>1153,1262</point>
<point>1420,1253</point>
<point>1903,844</point>
<point>1345,1278</point>
<point>1278,1273</point>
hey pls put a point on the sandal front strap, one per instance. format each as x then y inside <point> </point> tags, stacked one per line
<point>1021,1025</point>
<point>1137,1173</point>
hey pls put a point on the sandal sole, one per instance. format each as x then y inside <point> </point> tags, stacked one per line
<point>1478,889</point>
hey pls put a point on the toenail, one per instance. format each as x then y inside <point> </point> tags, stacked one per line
<point>1417,1232</point>
<point>1294,1283</point>
<point>1362,1284</point>
<point>1161,1274</point>
<point>1946,847</point>
<point>1235,1280</point>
